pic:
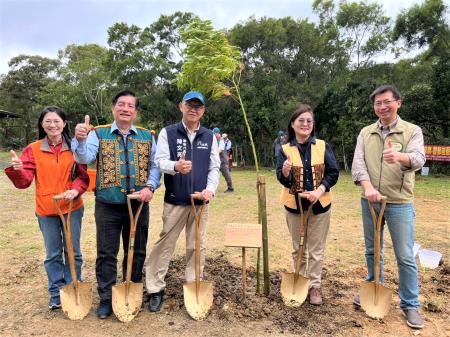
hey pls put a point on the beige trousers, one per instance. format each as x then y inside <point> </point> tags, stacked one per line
<point>316,236</point>
<point>175,218</point>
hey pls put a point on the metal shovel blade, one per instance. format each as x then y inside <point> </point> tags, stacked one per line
<point>198,307</point>
<point>375,300</point>
<point>126,307</point>
<point>293,292</point>
<point>73,307</point>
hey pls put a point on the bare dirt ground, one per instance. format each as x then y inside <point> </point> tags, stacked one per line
<point>24,298</point>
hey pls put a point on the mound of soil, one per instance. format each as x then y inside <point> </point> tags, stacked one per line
<point>230,306</point>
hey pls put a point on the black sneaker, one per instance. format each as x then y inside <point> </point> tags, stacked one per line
<point>55,303</point>
<point>413,318</point>
<point>357,301</point>
<point>104,309</point>
<point>228,190</point>
<point>156,301</point>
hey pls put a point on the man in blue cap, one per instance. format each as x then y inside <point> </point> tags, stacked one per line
<point>188,155</point>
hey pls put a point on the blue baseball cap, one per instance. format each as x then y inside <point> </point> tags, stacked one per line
<point>194,95</point>
<point>216,130</point>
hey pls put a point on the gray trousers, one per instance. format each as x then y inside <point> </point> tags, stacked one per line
<point>316,236</point>
<point>226,175</point>
<point>175,218</point>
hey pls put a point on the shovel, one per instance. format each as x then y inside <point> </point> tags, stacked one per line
<point>375,298</point>
<point>127,297</point>
<point>294,287</point>
<point>76,297</point>
<point>198,295</point>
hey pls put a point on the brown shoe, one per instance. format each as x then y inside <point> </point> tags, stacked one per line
<point>315,298</point>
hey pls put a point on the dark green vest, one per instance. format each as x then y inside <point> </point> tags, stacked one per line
<point>121,169</point>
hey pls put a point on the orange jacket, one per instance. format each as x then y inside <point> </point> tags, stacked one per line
<point>52,177</point>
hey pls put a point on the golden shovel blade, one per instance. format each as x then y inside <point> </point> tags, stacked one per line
<point>198,309</point>
<point>375,307</point>
<point>73,307</point>
<point>293,292</point>
<point>127,307</point>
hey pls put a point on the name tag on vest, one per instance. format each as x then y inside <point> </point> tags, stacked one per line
<point>202,146</point>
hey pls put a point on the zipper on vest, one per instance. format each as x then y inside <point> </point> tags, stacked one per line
<point>381,164</point>
<point>403,180</point>
<point>127,163</point>
<point>192,160</point>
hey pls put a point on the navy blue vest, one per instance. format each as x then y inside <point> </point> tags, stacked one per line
<point>179,187</point>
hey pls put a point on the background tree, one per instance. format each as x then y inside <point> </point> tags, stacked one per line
<point>21,87</point>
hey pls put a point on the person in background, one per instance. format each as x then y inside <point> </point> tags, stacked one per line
<point>307,164</point>
<point>224,161</point>
<point>50,163</point>
<point>188,155</point>
<point>229,149</point>
<point>278,142</point>
<point>125,164</point>
<point>399,144</point>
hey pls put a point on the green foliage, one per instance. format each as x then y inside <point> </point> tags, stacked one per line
<point>20,90</point>
<point>425,24</point>
<point>209,60</point>
<point>366,30</point>
<point>82,82</point>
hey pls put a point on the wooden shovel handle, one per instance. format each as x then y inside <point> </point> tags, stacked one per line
<point>302,239</point>
<point>197,219</point>
<point>133,223</point>
<point>377,237</point>
<point>68,235</point>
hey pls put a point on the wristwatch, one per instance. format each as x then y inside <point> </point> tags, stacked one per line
<point>151,188</point>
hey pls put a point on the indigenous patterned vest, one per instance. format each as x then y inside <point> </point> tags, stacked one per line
<point>122,168</point>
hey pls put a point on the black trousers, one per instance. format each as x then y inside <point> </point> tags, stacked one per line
<point>112,221</point>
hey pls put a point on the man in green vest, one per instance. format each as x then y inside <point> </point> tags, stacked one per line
<point>125,164</point>
<point>387,154</point>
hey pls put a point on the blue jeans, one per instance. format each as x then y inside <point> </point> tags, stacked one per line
<point>56,265</point>
<point>400,222</point>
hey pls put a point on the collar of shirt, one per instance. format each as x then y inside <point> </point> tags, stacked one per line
<point>311,140</point>
<point>189,132</point>
<point>387,127</point>
<point>114,127</point>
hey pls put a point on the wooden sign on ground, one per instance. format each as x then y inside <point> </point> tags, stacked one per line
<point>244,236</point>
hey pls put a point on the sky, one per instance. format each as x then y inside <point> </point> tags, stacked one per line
<point>42,27</point>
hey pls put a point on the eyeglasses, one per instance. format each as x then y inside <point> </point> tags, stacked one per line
<point>305,121</point>
<point>123,105</point>
<point>194,107</point>
<point>385,103</point>
<point>49,122</point>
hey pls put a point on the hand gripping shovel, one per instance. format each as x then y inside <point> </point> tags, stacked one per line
<point>198,295</point>
<point>127,297</point>
<point>375,298</point>
<point>76,297</point>
<point>294,287</point>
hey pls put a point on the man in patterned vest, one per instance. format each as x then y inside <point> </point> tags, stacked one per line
<point>125,164</point>
<point>387,154</point>
<point>188,155</point>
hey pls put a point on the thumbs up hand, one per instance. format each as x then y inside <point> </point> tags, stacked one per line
<point>287,166</point>
<point>182,165</point>
<point>16,163</point>
<point>82,129</point>
<point>390,156</point>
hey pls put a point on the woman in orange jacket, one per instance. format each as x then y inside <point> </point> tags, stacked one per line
<point>49,161</point>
